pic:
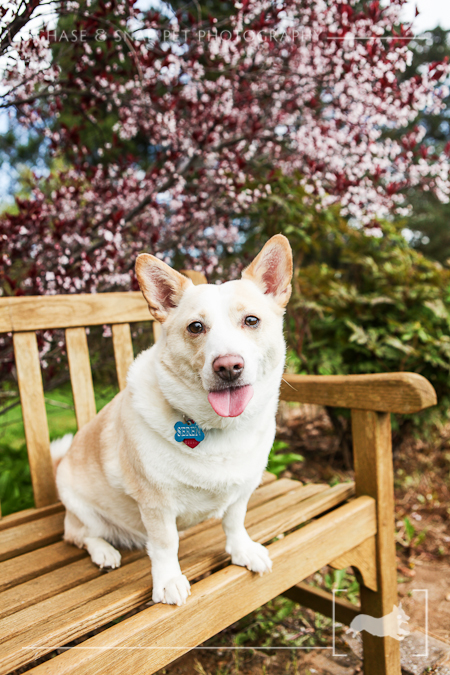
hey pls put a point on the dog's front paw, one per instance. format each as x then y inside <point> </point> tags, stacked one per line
<point>251,555</point>
<point>174,592</point>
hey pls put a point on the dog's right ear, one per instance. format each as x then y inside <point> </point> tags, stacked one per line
<point>271,270</point>
<point>161,285</point>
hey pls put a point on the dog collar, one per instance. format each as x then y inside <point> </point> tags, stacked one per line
<point>189,433</point>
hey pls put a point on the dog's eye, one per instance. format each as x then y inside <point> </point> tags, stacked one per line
<point>251,321</point>
<point>195,327</point>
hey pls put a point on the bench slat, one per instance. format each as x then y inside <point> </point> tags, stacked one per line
<point>80,375</point>
<point>34,418</point>
<point>29,565</point>
<point>72,613</point>
<point>59,580</point>
<point>27,515</point>
<point>47,312</point>
<point>38,533</point>
<point>175,630</point>
<point>123,351</point>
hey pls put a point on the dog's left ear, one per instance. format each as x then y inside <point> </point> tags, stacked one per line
<point>271,270</point>
<point>161,285</point>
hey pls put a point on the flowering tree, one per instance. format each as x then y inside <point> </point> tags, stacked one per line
<point>177,124</point>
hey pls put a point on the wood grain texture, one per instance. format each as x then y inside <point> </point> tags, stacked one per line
<point>27,515</point>
<point>38,562</point>
<point>18,540</point>
<point>156,636</point>
<point>123,351</point>
<point>322,602</point>
<point>372,449</point>
<point>72,310</point>
<point>57,581</point>
<point>385,392</point>
<point>102,599</point>
<point>363,557</point>
<point>197,278</point>
<point>34,418</point>
<point>80,375</point>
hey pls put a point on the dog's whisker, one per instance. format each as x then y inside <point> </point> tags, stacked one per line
<point>288,383</point>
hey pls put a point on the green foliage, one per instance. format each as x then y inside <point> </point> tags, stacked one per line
<point>279,461</point>
<point>360,303</point>
<point>16,492</point>
<point>409,529</point>
<point>407,535</point>
<point>341,580</point>
<point>279,623</point>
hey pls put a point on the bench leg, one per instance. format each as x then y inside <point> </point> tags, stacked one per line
<point>372,449</point>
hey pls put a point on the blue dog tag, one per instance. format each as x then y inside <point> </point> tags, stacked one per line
<point>189,432</point>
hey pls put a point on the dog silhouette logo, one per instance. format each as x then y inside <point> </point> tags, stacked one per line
<point>389,625</point>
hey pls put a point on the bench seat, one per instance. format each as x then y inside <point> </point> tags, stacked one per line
<point>51,593</point>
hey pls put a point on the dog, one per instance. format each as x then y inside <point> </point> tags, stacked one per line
<point>189,437</point>
<point>389,625</point>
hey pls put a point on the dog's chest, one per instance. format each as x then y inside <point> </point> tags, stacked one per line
<point>194,505</point>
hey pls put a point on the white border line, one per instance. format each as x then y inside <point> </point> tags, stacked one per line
<point>333,619</point>
<point>423,590</point>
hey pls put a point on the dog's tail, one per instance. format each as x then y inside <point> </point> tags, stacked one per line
<point>59,448</point>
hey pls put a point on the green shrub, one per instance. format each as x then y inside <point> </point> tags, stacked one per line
<point>361,303</point>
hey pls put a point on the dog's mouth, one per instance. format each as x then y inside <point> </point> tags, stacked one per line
<point>230,402</point>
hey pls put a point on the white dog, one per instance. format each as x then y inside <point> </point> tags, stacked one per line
<point>189,436</point>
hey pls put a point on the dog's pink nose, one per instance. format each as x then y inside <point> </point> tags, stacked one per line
<point>228,367</point>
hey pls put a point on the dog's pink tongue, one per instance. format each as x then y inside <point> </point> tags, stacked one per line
<point>231,402</point>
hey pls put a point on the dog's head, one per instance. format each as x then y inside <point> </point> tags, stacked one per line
<point>219,341</point>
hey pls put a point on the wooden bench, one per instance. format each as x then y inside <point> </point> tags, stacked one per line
<point>51,593</point>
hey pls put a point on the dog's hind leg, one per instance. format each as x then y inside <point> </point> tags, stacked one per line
<point>101,552</point>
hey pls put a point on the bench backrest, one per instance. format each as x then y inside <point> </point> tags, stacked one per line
<point>23,316</point>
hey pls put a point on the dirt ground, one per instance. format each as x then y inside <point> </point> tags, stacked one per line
<point>422,494</point>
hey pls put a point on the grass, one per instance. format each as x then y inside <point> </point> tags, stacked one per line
<point>16,492</point>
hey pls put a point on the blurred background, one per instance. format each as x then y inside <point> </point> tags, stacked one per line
<point>197,131</point>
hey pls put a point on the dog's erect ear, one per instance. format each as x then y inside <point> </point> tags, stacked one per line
<point>271,270</point>
<point>161,285</point>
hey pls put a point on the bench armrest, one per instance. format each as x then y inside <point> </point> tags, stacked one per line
<point>385,392</point>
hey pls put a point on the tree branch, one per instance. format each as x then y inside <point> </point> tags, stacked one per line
<point>10,32</point>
